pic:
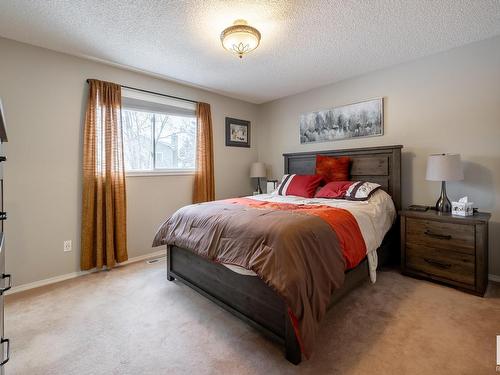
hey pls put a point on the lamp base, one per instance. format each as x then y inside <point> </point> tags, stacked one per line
<point>443,204</point>
<point>259,190</point>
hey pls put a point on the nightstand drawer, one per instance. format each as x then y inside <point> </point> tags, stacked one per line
<point>441,263</point>
<point>441,235</point>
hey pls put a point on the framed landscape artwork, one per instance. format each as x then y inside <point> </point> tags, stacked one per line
<point>363,119</point>
<point>237,132</point>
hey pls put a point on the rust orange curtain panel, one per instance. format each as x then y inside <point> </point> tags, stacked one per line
<point>204,185</point>
<point>104,237</point>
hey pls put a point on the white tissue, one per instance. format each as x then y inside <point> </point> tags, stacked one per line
<point>463,207</point>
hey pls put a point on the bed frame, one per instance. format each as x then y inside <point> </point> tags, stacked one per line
<point>249,298</point>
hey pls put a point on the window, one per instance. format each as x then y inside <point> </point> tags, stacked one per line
<point>159,134</point>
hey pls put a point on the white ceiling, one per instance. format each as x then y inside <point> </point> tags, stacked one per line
<point>305,44</point>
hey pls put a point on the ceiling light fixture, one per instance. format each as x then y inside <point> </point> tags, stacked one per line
<point>240,38</point>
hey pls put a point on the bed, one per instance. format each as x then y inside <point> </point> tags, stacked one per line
<point>254,301</point>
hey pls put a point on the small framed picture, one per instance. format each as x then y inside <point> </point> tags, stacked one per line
<point>237,132</point>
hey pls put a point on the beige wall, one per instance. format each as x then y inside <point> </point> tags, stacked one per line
<point>445,103</point>
<point>44,94</point>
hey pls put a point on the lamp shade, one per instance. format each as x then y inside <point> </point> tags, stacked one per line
<point>444,167</point>
<point>258,169</point>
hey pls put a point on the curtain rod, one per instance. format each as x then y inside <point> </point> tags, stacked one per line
<point>157,93</point>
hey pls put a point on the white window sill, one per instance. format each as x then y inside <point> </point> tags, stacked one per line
<point>168,172</point>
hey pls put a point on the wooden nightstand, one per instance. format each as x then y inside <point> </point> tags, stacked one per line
<point>449,249</point>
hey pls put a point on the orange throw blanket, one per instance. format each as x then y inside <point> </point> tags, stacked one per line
<point>341,221</point>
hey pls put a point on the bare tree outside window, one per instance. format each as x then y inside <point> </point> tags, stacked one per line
<point>175,138</point>
<point>158,141</point>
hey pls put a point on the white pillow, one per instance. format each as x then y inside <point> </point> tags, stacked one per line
<point>361,191</point>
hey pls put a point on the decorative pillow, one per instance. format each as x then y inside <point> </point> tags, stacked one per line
<point>333,169</point>
<point>361,191</point>
<point>334,189</point>
<point>299,185</point>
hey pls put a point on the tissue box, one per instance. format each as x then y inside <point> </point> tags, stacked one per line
<point>271,186</point>
<point>462,208</point>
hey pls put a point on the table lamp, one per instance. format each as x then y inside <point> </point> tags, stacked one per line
<point>444,167</point>
<point>258,170</point>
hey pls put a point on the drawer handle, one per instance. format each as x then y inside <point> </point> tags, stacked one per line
<point>2,341</point>
<point>443,266</point>
<point>440,236</point>
<point>6,276</point>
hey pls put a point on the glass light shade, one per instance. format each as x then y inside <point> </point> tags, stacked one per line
<point>444,167</point>
<point>240,38</point>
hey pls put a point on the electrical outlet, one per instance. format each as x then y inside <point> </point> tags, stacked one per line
<point>67,245</point>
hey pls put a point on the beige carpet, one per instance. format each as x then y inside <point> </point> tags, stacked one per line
<point>133,321</point>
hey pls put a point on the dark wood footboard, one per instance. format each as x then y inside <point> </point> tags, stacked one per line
<point>247,297</point>
<point>250,299</point>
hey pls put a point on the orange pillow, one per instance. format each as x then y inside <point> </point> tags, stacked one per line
<point>333,169</point>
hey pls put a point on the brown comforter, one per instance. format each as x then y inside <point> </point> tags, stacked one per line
<point>295,249</point>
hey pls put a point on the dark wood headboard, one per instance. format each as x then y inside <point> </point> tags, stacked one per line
<point>381,165</point>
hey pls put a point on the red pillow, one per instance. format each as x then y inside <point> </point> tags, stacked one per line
<point>333,169</point>
<point>299,185</point>
<point>334,189</point>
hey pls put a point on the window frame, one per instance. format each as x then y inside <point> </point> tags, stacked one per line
<point>156,171</point>
<point>161,172</point>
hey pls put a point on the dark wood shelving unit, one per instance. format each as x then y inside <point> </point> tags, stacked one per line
<point>5,279</point>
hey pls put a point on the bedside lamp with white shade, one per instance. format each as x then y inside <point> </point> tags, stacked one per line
<point>444,167</point>
<point>258,171</point>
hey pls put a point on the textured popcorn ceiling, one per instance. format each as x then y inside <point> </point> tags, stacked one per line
<point>305,44</point>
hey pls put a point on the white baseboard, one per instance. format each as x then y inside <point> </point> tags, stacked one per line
<point>72,275</point>
<point>155,254</point>
<point>494,278</point>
